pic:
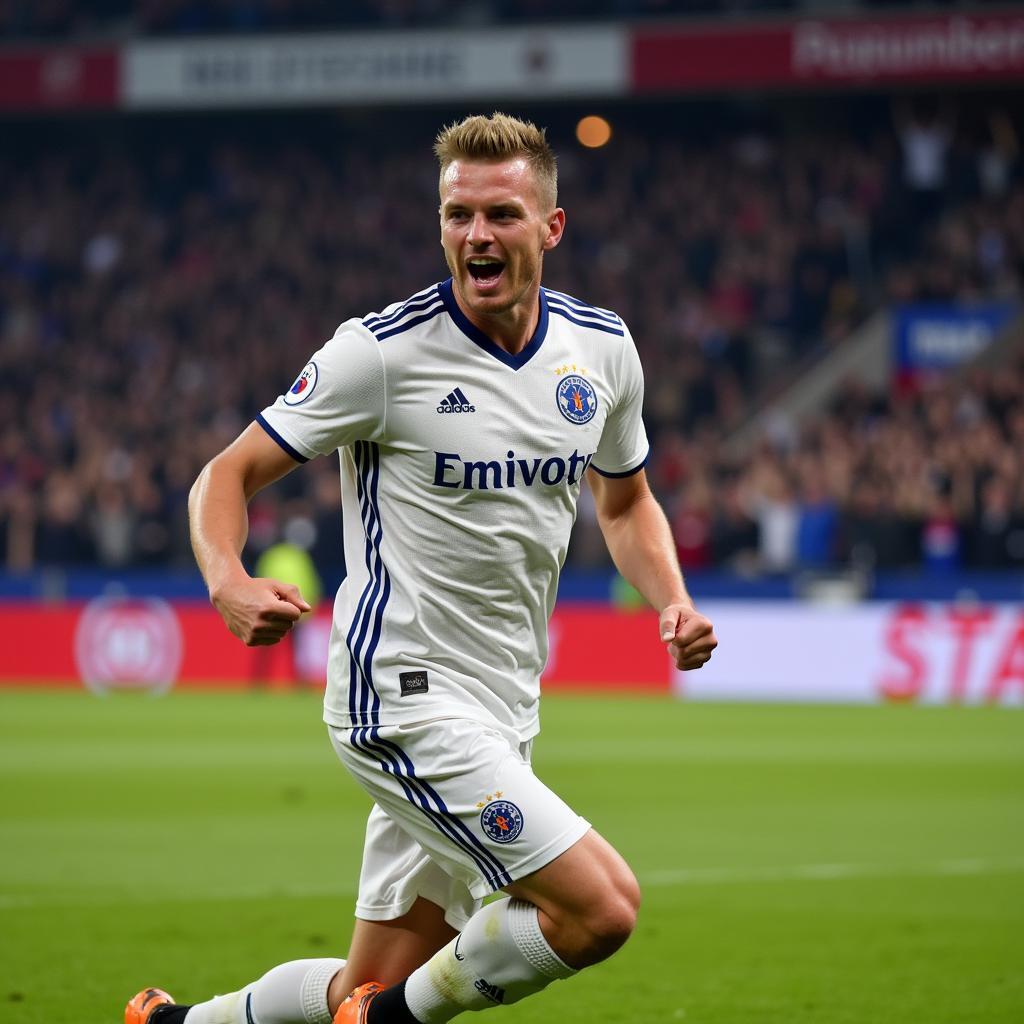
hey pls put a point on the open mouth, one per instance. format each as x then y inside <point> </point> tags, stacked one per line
<point>485,271</point>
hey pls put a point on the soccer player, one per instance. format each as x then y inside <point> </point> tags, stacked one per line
<point>466,418</point>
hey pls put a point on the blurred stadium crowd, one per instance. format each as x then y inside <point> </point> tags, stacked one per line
<point>63,18</point>
<point>154,297</point>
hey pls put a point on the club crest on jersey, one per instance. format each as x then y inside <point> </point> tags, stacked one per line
<point>577,399</point>
<point>501,821</point>
<point>303,386</point>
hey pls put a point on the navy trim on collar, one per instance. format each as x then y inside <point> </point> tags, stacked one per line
<point>478,337</point>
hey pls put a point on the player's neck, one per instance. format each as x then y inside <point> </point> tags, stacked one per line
<point>511,329</point>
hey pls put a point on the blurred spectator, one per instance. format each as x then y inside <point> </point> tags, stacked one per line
<point>997,156</point>
<point>773,504</point>
<point>62,537</point>
<point>940,536</point>
<point>691,525</point>
<point>998,537</point>
<point>873,534</point>
<point>925,135</point>
<point>734,532</point>
<point>817,520</point>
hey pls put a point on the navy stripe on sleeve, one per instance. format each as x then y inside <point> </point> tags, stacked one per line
<point>564,311</point>
<point>628,472</point>
<point>414,322</point>
<point>583,307</point>
<point>297,456</point>
<point>419,301</point>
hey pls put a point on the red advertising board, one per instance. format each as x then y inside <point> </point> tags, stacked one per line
<point>61,78</point>
<point>154,644</point>
<point>814,52</point>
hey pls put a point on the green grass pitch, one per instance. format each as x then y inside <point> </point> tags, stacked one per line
<point>827,865</point>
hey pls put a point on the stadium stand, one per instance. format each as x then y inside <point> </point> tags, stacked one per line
<point>143,292</point>
<point>154,295</point>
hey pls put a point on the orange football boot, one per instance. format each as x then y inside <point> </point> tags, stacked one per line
<point>141,1007</point>
<point>354,1006</point>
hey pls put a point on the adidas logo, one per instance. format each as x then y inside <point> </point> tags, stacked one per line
<point>455,401</point>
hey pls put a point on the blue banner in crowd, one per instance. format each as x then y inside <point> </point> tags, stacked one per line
<point>934,337</point>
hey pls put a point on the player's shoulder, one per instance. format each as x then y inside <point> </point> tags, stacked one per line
<point>405,315</point>
<point>584,314</point>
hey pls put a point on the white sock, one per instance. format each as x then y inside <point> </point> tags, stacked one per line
<point>291,993</point>
<point>501,957</point>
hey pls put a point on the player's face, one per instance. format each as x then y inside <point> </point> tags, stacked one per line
<point>495,229</point>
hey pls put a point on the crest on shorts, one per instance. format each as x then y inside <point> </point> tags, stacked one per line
<point>502,821</point>
<point>303,386</point>
<point>577,399</point>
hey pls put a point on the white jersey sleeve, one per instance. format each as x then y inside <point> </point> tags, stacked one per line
<point>623,447</point>
<point>338,398</point>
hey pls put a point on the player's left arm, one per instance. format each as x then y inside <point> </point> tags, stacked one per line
<point>641,545</point>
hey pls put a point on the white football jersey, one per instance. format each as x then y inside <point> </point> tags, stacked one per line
<point>460,472</point>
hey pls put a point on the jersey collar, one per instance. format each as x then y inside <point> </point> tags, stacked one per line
<point>478,337</point>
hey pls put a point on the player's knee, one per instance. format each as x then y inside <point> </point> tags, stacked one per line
<point>612,919</point>
<point>608,927</point>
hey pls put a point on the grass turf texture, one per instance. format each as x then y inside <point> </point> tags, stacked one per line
<point>799,864</point>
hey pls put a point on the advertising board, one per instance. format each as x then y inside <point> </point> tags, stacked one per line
<point>897,652</point>
<point>814,52</point>
<point>935,337</point>
<point>926,653</point>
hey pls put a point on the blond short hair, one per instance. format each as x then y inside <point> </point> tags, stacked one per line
<point>501,137</point>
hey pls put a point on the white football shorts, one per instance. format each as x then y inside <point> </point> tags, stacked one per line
<point>458,814</point>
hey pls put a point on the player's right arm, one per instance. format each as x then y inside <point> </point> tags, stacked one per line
<point>257,611</point>
<point>337,399</point>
